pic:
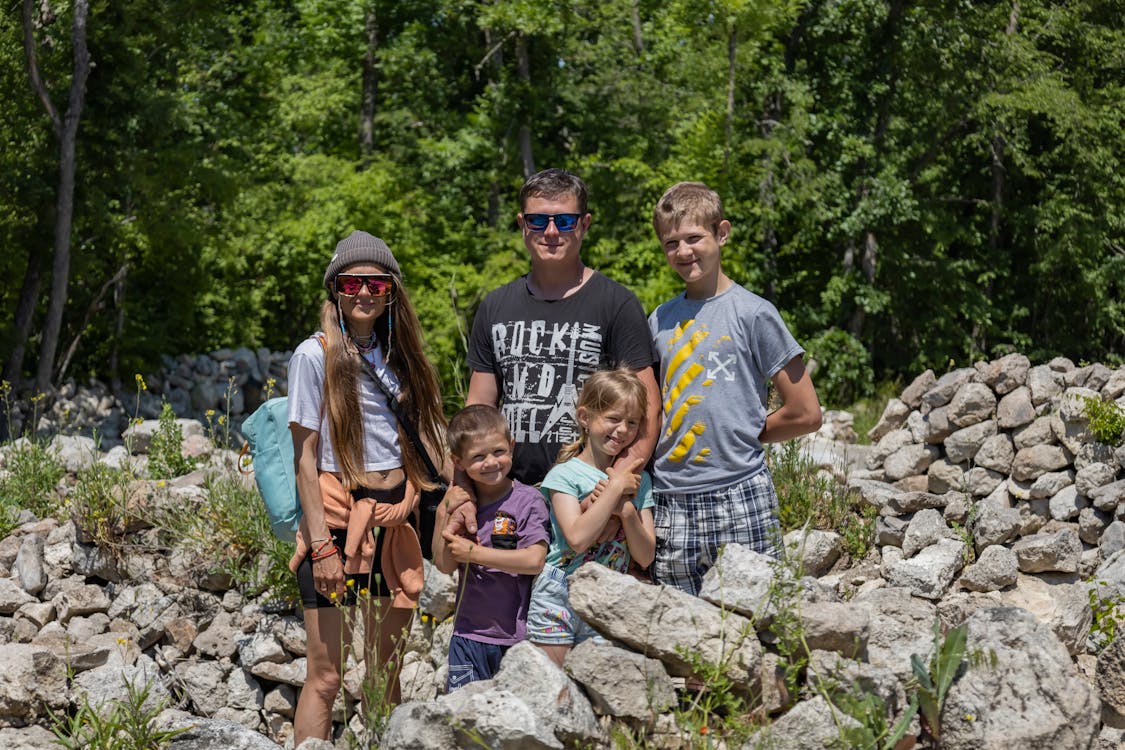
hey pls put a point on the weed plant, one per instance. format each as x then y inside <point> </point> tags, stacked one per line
<point>166,459</point>
<point>30,478</point>
<point>1108,608</point>
<point>231,531</point>
<point>1106,418</point>
<point>117,725</point>
<point>808,497</point>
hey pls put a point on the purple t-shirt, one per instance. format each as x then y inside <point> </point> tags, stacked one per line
<point>492,605</point>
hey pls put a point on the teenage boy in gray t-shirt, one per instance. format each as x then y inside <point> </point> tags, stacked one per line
<point>719,344</point>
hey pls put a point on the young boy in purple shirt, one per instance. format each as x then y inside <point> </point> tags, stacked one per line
<point>513,530</point>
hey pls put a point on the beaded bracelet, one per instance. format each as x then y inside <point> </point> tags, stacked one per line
<point>326,544</point>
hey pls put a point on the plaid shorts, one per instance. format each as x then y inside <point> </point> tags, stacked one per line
<point>691,529</point>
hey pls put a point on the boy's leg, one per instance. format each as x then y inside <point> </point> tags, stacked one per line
<point>678,542</point>
<point>470,661</point>
<point>754,514</point>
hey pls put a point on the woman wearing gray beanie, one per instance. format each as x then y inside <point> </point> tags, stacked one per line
<point>358,475</point>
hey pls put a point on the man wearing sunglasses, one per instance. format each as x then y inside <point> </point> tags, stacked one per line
<point>537,339</point>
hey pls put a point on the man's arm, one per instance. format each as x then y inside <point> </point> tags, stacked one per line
<point>645,442</point>
<point>799,413</point>
<point>484,388</point>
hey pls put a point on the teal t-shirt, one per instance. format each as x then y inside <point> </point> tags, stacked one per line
<point>578,478</point>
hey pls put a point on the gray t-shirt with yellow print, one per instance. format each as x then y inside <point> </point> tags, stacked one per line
<point>716,359</point>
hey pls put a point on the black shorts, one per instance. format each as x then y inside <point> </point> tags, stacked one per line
<point>374,581</point>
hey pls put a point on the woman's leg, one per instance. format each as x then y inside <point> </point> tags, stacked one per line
<point>326,638</point>
<point>386,629</point>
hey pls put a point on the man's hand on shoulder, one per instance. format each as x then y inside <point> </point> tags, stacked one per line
<point>460,510</point>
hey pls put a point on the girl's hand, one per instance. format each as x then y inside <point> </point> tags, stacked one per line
<point>458,547</point>
<point>328,575</point>
<point>626,480</point>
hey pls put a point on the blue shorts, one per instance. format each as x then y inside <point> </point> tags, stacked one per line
<point>470,661</point>
<point>550,618</point>
<point>691,529</point>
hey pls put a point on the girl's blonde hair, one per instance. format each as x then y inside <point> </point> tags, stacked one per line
<point>604,390</point>
<point>418,383</point>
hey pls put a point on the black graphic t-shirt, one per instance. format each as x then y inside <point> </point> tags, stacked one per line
<point>542,352</point>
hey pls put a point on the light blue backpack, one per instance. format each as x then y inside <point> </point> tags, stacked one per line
<point>270,447</point>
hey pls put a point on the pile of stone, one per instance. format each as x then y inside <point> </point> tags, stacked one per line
<point>970,475</point>
<point>227,383</point>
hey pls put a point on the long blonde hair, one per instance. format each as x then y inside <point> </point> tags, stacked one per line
<point>604,390</point>
<point>418,382</point>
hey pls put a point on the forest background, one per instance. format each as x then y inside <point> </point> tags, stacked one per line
<point>914,184</point>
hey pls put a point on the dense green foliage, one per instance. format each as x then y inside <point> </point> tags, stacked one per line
<point>931,182</point>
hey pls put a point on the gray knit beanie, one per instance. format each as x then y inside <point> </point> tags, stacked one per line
<point>360,247</point>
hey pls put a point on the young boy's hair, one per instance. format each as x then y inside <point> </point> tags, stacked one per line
<point>687,201</point>
<point>601,392</point>
<point>552,183</point>
<point>474,422</point>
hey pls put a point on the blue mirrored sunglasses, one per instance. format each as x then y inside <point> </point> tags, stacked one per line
<point>563,222</point>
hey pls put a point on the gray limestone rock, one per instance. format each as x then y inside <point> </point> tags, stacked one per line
<point>1044,383</point>
<point>809,725</point>
<point>740,580</point>
<point>1066,504</point>
<point>912,394</point>
<point>1005,374</point>
<point>909,461</point>
<point>995,568</point>
<point>894,416</point>
<point>1031,697</point>
<point>1015,409</point>
<point>1035,461</point>
<point>621,682</point>
<point>926,527</point>
<point>944,476</point>
<point>1051,483</point>
<point>1092,476</point>
<point>973,403</point>
<point>929,573</point>
<point>996,453</point>
<point>943,390</point>
<point>665,623</point>
<point>962,445</point>
<point>1047,552</point>
<point>28,566</point>
<point>817,550</point>
<point>995,525</point>
<point>1038,432</point>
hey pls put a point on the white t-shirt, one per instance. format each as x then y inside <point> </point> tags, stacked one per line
<point>381,449</point>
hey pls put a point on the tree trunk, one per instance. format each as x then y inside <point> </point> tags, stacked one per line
<point>66,130</point>
<point>523,66</point>
<point>732,54</point>
<point>25,311</point>
<point>638,38</point>
<point>370,85</point>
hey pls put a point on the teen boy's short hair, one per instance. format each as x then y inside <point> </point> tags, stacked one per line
<point>687,201</point>
<point>472,423</point>
<point>551,183</point>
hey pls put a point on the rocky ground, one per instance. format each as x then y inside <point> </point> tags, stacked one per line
<point>997,509</point>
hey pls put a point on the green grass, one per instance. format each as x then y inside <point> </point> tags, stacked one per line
<point>806,496</point>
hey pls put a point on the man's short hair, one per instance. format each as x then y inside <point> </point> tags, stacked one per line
<point>687,201</point>
<point>552,183</point>
<point>472,423</point>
